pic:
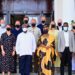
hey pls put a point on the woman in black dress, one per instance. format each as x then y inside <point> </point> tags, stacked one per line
<point>8,51</point>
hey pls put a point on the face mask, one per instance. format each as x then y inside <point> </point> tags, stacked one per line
<point>73,27</point>
<point>8,29</point>
<point>65,29</point>
<point>17,26</point>
<point>59,24</point>
<point>24,30</point>
<point>43,21</point>
<point>33,24</point>
<point>53,26</point>
<point>26,21</point>
<point>2,25</point>
<point>45,31</point>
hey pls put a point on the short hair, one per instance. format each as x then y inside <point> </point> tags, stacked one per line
<point>26,17</point>
<point>66,23</point>
<point>8,25</point>
<point>17,21</point>
<point>46,25</point>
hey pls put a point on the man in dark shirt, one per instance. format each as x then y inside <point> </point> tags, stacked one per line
<point>43,22</point>
<point>25,22</point>
<point>16,30</point>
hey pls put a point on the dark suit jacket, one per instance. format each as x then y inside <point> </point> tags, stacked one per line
<point>41,27</point>
<point>58,27</point>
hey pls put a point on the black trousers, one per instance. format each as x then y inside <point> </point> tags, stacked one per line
<point>25,63</point>
<point>66,59</point>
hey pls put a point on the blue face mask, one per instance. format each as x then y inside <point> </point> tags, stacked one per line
<point>65,29</point>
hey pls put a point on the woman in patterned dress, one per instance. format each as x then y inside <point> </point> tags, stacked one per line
<point>45,52</point>
<point>8,51</point>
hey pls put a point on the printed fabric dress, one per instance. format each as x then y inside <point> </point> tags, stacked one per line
<point>7,61</point>
<point>45,52</point>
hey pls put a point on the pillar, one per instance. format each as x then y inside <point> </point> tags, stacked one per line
<point>65,10</point>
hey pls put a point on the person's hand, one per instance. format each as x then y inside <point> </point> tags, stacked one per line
<point>3,53</point>
<point>13,53</point>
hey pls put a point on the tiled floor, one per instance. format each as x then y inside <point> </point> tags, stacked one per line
<point>56,73</point>
<point>37,74</point>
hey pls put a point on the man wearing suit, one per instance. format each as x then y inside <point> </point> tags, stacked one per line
<point>43,22</point>
<point>26,21</point>
<point>65,48</point>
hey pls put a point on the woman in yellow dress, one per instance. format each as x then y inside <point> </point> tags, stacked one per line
<point>54,32</point>
<point>45,52</point>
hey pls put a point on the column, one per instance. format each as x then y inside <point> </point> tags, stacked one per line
<point>65,10</point>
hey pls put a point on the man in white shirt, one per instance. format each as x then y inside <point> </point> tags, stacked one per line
<point>43,22</point>
<point>25,47</point>
<point>65,47</point>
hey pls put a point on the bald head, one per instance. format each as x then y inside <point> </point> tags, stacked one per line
<point>60,20</point>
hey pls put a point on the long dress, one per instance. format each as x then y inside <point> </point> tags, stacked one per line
<point>8,42</point>
<point>2,30</point>
<point>45,52</point>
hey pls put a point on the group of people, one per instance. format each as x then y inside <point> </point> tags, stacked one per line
<point>44,41</point>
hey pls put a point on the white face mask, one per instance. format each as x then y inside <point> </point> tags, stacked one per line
<point>2,25</point>
<point>24,29</point>
<point>65,29</point>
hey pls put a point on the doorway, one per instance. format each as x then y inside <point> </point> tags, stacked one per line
<point>15,17</point>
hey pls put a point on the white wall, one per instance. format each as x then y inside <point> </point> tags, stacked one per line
<point>58,9</point>
<point>68,10</point>
<point>65,10</point>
